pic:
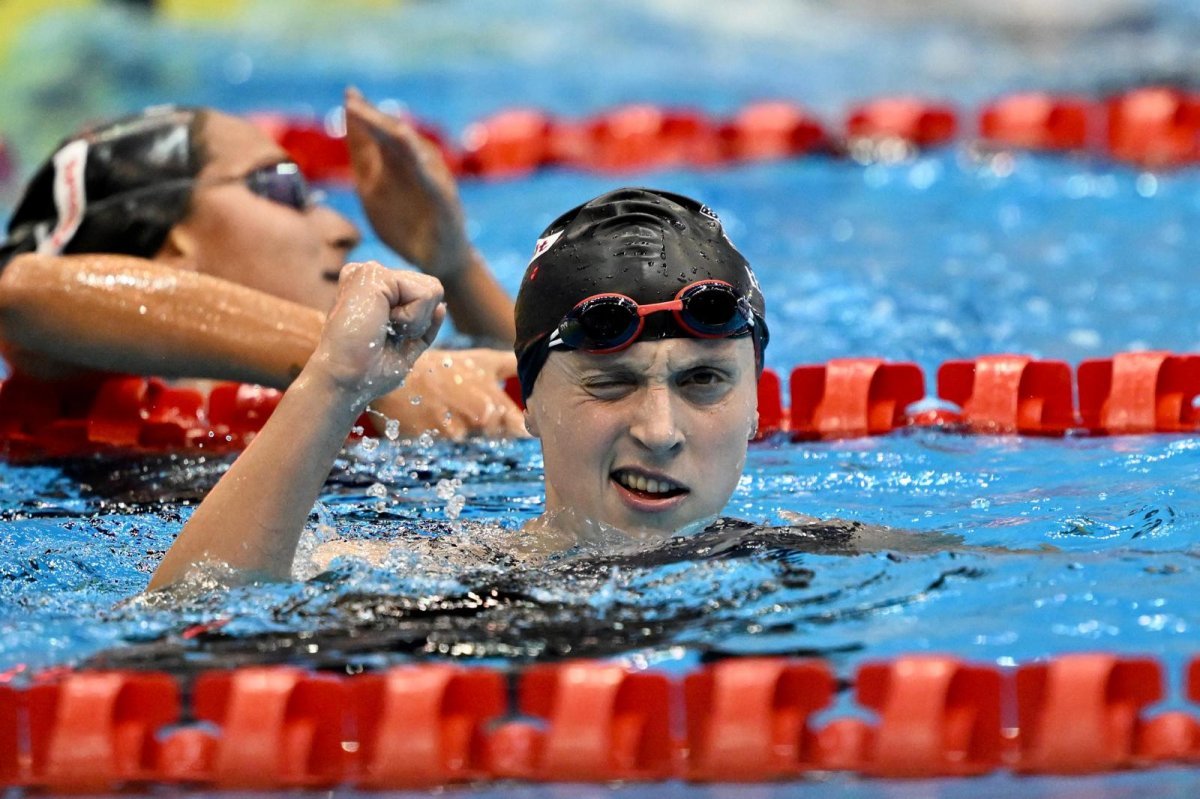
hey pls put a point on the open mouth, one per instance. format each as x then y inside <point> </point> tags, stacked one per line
<point>647,487</point>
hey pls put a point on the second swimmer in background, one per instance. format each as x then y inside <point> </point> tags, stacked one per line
<point>184,243</point>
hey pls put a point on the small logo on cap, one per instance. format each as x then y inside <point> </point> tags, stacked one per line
<point>710,213</point>
<point>544,243</point>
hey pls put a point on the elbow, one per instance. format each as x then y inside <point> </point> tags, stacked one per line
<point>11,301</point>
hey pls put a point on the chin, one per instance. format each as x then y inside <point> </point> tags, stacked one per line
<point>660,529</point>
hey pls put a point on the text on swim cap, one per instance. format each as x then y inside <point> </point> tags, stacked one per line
<point>69,196</point>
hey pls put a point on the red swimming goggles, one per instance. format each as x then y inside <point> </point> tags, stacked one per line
<point>611,322</point>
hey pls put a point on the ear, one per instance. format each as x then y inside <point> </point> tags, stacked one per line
<point>531,424</point>
<point>753,416</point>
<point>179,248</point>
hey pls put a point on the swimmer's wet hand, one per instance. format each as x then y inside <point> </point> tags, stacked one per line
<point>456,394</point>
<point>382,321</point>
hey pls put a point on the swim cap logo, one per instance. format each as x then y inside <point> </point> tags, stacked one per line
<point>710,213</point>
<point>69,196</point>
<point>543,244</point>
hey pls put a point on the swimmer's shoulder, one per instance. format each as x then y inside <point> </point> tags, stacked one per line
<point>427,539</point>
<point>831,536</point>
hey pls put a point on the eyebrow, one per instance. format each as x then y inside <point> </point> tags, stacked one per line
<point>624,368</point>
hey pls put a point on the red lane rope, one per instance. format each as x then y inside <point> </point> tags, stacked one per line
<point>1153,127</point>
<point>1128,393</point>
<point>738,720</point>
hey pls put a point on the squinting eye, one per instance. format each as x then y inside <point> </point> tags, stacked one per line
<point>609,387</point>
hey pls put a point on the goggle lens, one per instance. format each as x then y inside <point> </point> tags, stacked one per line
<point>601,323</point>
<point>714,309</point>
<point>282,183</point>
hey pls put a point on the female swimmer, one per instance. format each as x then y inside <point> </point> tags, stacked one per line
<point>640,337</point>
<point>183,243</point>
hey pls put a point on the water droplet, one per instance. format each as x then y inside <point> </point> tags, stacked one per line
<point>377,490</point>
<point>368,444</point>
<point>392,430</point>
<point>416,399</point>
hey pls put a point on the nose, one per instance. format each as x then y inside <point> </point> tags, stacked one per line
<point>656,423</point>
<point>339,232</point>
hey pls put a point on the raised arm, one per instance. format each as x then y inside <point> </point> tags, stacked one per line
<point>129,315</point>
<point>412,202</point>
<point>253,518</point>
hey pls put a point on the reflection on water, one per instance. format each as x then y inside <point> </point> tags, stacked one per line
<point>1039,546</point>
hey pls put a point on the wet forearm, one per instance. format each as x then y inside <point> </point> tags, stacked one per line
<point>124,314</point>
<point>479,305</point>
<point>252,520</point>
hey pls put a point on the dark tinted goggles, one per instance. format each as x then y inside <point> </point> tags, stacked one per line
<point>282,183</point>
<point>611,322</point>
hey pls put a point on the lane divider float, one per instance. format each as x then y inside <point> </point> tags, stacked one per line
<point>1151,127</point>
<point>1006,394</point>
<point>736,720</point>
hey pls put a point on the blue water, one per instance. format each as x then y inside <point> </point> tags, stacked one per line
<point>1014,548</point>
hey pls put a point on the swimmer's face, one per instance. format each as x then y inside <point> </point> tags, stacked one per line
<point>233,234</point>
<point>648,440</point>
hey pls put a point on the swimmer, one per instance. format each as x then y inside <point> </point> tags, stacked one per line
<point>183,243</point>
<point>640,338</point>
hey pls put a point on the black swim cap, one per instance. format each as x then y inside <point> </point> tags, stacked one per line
<point>643,243</point>
<point>117,188</point>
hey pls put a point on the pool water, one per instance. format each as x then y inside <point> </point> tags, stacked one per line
<point>1000,549</point>
<point>1010,548</point>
